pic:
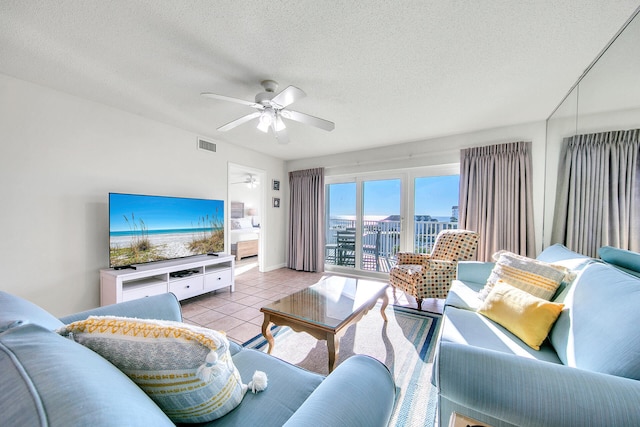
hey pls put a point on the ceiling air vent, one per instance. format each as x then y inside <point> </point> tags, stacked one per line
<point>206,145</point>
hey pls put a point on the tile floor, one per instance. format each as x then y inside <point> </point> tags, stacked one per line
<point>238,313</point>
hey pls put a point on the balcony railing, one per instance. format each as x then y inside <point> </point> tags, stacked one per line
<point>380,242</point>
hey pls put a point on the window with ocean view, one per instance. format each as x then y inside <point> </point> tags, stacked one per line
<point>368,220</point>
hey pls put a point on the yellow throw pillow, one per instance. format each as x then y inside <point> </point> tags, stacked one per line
<point>528,317</point>
<point>185,369</point>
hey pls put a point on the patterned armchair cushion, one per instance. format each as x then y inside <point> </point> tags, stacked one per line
<point>436,283</point>
<point>458,245</point>
<point>429,280</point>
<point>412,258</point>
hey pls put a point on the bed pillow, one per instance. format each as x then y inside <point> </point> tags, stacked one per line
<point>536,277</point>
<point>245,222</point>
<point>186,370</point>
<point>240,223</point>
<point>528,317</point>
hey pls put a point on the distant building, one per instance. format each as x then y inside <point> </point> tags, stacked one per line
<point>454,212</point>
<point>416,218</point>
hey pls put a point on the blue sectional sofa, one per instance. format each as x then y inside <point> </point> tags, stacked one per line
<point>49,380</point>
<point>587,372</point>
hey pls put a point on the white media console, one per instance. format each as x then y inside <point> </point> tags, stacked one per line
<point>186,278</point>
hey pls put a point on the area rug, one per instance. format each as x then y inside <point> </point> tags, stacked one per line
<point>405,344</point>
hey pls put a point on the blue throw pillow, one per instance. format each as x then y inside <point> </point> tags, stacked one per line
<point>625,260</point>
<point>597,330</point>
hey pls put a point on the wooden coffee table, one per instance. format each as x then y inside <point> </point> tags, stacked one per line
<point>325,310</point>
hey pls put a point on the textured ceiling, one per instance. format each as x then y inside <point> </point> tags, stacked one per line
<point>385,72</point>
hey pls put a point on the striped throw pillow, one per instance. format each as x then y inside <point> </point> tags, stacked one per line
<point>538,278</point>
<point>186,370</point>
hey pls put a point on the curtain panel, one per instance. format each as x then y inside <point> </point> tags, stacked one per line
<point>496,198</point>
<point>598,197</point>
<point>306,220</point>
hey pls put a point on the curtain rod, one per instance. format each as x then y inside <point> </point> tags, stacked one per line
<point>391,159</point>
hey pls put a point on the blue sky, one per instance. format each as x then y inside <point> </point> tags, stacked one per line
<point>434,196</point>
<point>161,213</point>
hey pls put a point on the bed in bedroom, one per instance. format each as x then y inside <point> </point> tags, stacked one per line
<point>244,237</point>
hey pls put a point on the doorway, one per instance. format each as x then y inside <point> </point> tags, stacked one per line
<point>245,215</point>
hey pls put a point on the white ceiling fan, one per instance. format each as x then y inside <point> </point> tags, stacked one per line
<point>272,109</point>
<point>251,180</point>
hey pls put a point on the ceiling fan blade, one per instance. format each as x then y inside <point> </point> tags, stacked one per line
<point>228,98</point>
<point>308,120</point>
<point>282,136</point>
<point>288,96</point>
<point>238,122</point>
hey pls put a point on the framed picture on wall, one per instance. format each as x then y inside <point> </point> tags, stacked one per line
<point>276,202</point>
<point>276,185</point>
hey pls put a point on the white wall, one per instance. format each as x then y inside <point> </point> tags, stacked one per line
<point>60,156</point>
<point>441,151</point>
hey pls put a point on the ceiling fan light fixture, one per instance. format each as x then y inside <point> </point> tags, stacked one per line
<point>278,124</point>
<point>264,121</point>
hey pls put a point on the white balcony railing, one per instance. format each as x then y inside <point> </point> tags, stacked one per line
<point>380,241</point>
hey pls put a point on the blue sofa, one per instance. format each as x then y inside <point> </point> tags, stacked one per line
<point>48,380</point>
<point>587,372</point>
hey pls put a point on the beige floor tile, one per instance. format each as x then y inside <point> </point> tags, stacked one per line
<point>257,320</point>
<point>268,294</point>
<point>250,300</point>
<point>230,307</point>
<point>244,332</point>
<point>247,313</point>
<point>192,309</point>
<point>207,317</point>
<point>225,323</point>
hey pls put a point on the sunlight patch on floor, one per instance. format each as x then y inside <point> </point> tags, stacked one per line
<point>244,268</point>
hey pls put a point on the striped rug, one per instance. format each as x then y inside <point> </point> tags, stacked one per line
<point>405,344</point>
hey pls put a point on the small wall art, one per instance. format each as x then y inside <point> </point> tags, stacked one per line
<point>276,202</point>
<point>276,185</point>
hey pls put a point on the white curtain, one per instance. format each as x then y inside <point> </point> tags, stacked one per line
<point>306,220</point>
<point>598,197</point>
<point>496,198</point>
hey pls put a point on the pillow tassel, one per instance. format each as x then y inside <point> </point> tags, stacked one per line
<point>259,382</point>
<point>209,368</point>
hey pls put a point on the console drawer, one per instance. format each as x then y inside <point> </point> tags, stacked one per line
<point>217,279</point>
<point>187,287</point>
<point>142,292</point>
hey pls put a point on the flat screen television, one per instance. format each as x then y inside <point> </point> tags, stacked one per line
<point>144,228</point>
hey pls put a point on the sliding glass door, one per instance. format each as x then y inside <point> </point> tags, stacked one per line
<point>340,246</point>
<point>369,219</point>
<point>363,223</point>
<point>381,224</point>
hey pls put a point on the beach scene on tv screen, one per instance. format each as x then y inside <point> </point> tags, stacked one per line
<point>154,228</point>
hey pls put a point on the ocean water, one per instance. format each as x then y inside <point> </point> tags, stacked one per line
<point>129,233</point>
